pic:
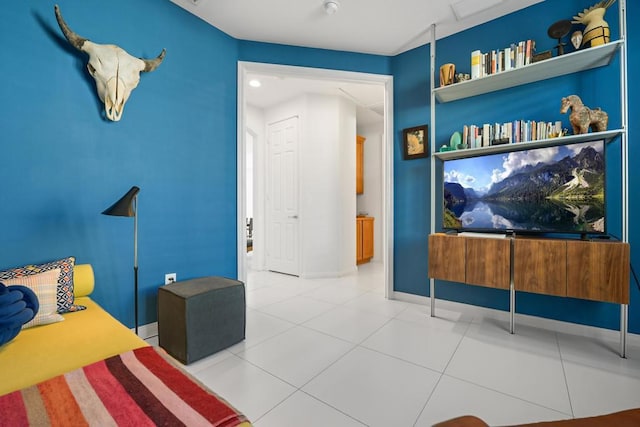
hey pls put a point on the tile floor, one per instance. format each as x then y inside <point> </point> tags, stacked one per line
<point>334,352</point>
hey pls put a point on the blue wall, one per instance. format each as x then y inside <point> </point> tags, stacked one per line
<point>64,164</point>
<point>539,101</point>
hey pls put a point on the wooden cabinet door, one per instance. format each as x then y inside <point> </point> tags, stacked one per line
<point>540,266</point>
<point>358,240</point>
<point>364,239</point>
<point>447,257</point>
<point>367,238</point>
<point>598,271</point>
<point>488,262</point>
<point>359,164</point>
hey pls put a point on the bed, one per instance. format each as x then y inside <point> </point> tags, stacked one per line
<point>89,368</point>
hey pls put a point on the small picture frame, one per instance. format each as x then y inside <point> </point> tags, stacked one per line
<point>415,142</point>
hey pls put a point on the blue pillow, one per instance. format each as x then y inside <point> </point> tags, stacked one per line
<point>18,305</point>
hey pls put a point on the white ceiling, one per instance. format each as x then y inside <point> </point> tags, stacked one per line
<point>384,27</point>
<point>277,87</point>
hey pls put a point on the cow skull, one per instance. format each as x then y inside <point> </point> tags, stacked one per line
<point>115,71</point>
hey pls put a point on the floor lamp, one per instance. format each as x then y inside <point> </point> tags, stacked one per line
<point>128,206</point>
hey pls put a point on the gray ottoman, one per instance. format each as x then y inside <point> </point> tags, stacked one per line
<point>199,317</point>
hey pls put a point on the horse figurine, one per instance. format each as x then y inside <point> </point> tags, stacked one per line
<point>582,118</point>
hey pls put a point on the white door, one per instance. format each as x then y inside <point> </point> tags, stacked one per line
<point>282,197</point>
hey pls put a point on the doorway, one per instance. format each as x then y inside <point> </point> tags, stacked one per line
<point>245,71</point>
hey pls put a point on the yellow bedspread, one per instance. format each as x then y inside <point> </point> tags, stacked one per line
<point>84,337</point>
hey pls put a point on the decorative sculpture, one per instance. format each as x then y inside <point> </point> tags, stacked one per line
<point>597,30</point>
<point>557,31</point>
<point>576,39</point>
<point>582,118</point>
<point>115,71</point>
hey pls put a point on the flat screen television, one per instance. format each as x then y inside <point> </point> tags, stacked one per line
<point>556,189</point>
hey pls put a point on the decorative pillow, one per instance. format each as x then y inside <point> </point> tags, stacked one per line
<point>44,285</point>
<point>64,291</point>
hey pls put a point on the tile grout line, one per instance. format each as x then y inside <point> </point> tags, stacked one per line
<point>442,374</point>
<point>564,374</point>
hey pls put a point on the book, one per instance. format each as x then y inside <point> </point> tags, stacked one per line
<point>486,135</point>
<point>476,60</point>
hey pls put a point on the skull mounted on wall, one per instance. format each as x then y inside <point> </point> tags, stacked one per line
<point>115,71</point>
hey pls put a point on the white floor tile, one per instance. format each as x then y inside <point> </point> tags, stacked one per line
<point>596,391</point>
<point>375,389</point>
<point>454,398</point>
<point>268,295</point>
<point>296,355</point>
<point>303,410</point>
<point>347,323</point>
<point>335,293</point>
<point>260,327</point>
<point>248,388</point>
<point>377,303</point>
<point>201,364</point>
<point>335,352</point>
<point>298,309</point>
<point>152,340</point>
<point>421,314</point>
<point>430,344</point>
<point>493,358</point>
<point>600,352</point>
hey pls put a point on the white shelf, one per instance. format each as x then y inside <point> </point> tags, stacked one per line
<point>580,60</point>
<point>608,136</point>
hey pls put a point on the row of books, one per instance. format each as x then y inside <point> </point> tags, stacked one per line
<point>515,56</point>
<point>508,133</point>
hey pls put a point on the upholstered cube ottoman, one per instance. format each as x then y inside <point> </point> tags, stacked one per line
<point>199,317</point>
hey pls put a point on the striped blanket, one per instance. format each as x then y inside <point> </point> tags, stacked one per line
<point>137,388</point>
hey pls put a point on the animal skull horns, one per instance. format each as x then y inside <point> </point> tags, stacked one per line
<point>115,71</point>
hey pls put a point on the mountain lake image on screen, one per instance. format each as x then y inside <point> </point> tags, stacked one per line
<point>556,189</point>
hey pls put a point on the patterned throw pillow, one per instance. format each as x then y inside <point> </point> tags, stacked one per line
<point>44,285</point>
<point>64,291</point>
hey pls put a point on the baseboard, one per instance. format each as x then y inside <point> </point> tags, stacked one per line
<point>147,331</point>
<point>328,275</point>
<point>521,319</point>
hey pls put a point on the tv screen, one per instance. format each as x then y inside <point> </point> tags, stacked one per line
<point>558,189</point>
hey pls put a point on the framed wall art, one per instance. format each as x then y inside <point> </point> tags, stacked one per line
<point>415,142</point>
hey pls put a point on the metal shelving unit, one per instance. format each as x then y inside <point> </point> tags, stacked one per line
<point>608,136</point>
<point>571,63</point>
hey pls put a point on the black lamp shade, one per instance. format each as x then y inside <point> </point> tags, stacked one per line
<point>124,206</point>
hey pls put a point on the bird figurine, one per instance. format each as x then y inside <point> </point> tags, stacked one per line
<point>597,31</point>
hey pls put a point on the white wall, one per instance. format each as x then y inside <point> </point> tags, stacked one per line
<point>370,201</point>
<point>327,186</point>
<point>256,126</point>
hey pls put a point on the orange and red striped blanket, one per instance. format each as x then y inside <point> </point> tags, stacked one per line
<point>137,388</point>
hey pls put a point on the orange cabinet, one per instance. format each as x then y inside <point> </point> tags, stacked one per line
<point>359,164</point>
<point>364,239</point>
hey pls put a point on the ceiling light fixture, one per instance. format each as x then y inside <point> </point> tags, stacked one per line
<point>255,83</point>
<point>331,6</point>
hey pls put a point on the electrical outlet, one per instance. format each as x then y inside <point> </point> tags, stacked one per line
<point>169,278</point>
